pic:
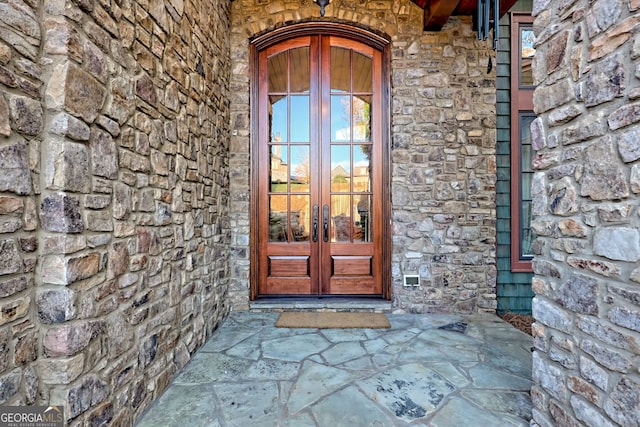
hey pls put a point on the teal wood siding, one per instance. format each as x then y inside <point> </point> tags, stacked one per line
<point>514,289</point>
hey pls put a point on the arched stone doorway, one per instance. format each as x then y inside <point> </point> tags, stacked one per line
<point>441,142</point>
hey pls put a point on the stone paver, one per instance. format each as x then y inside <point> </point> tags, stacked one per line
<point>431,370</point>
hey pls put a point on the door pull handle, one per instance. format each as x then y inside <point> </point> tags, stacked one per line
<point>325,222</point>
<point>316,210</point>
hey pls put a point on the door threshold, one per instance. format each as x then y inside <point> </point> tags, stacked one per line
<point>375,305</point>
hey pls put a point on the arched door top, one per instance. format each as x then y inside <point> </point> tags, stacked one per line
<point>362,35</point>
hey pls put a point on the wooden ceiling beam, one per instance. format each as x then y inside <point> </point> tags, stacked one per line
<point>505,5</point>
<point>437,13</point>
<point>466,7</point>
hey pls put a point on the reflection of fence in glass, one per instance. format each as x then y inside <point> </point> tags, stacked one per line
<point>362,212</point>
<point>289,225</point>
<point>351,218</point>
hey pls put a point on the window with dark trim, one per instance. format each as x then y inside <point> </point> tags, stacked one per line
<point>526,177</point>
<point>522,86</point>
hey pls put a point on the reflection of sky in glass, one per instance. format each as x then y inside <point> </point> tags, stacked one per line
<point>280,152</point>
<point>340,156</point>
<point>300,118</point>
<point>359,157</point>
<point>341,123</point>
<point>279,121</point>
<point>300,155</point>
<point>340,111</point>
<point>528,41</point>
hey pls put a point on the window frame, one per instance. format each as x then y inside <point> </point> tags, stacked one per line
<point>521,104</point>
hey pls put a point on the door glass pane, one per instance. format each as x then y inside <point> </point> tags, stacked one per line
<point>300,78</point>
<point>361,170</point>
<point>340,168</point>
<point>341,218</point>
<point>279,168</point>
<point>361,118</point>
<point>340,118</point>
<point>362,66</point>
<point>362,216</point>
<point>300,118</point>
<point>300,218</point>
<point>527,53</point>
<point>340,69</point>
<point>278,219</point>
<point>300,168</point>
<point>278,118</point>
<point>277,66</point>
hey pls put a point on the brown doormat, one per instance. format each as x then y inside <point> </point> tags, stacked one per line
<point>327,320</point>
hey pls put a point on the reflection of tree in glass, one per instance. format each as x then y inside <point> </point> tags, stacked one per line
<point>346,112</point>
<point>366,149</point>
<point>301,169</point>
<point>360,117</point>
<point>528,43</point>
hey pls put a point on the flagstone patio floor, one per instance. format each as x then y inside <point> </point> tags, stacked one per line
<point>426,370</point>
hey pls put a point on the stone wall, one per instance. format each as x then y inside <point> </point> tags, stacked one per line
<point>587,204</point>
<point>444,170</point>
<point>443,150</point>
<point>113,146</point>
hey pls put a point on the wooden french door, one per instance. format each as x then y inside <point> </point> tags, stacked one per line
<point>319,211</point>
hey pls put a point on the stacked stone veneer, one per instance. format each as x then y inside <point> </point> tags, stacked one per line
<point>442,140</point>
<point>114,226</point>
<point>587,214</point>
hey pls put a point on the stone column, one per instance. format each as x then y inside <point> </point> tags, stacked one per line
<point>113,151</point>
<point>586,191</point>
<point>444,170</point>
<point>21,125</point>
<point>79,162</point>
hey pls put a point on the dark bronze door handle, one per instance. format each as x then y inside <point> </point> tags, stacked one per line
<point>325,222</point>
<point>316,210</point>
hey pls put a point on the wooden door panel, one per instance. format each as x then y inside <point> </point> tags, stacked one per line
<point>288,286</point>
<point>351,265</point>
<point>365,285</point>
<point>357,249</point>
<point>294,266</point>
